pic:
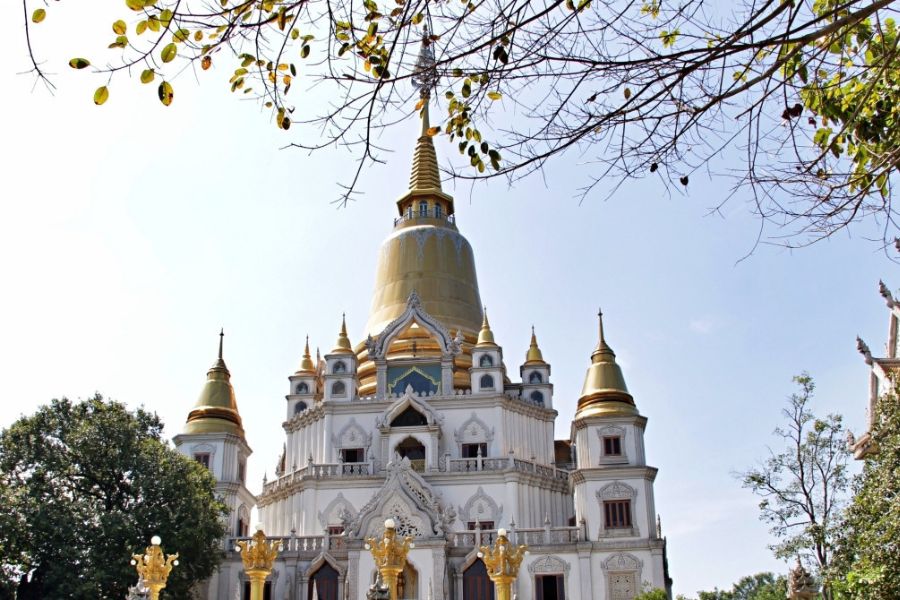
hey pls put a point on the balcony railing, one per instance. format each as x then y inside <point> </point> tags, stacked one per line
<point>424,214</point>
<point>446,465</point>
<point>546,536</point>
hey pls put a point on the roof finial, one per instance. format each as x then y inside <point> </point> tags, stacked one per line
<point>534,352</point>
<point>485,336</point>
<point>306,364</point>
<point>221,339</point>
<point>343,345</point>
<point>600,324</point>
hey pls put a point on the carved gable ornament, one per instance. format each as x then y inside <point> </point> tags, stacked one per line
<point>408,400</point>
<point>617,490</point>
<point>474,430</point>
<point>549,565</point>
<point>622,562</point>
<point>450,346</point>
<point>352,435</point>
<point>407,497</point>
<point>338,512</point>
<point>481,507</point>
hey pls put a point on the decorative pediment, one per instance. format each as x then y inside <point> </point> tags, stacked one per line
<point>338,512</point>
<point>409,400</point>
<point>481,507</point>
<point>617,490</point>
<point>549,564</point>
<point>611,430</point>
<point>322,559</point>
<point>474,431</point>
<point>352,435</point>
<point>409,499</point>
<point>450,346</point>
<point>622,562</point>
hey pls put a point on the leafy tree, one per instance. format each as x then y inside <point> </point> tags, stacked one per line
<point>84,485</point>
<point>866,565</point>
<point>805,91</point>
<point>762,586</point>
<point>803,485</point>
<point>654,594</point>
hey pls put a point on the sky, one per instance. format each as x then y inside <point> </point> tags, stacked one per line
<point>130,233</point>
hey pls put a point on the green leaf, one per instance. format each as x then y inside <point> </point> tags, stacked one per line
<point>169,52</point>
<point>38,15</point>
<point>135,5</point>
<point>79,63</point>
<point>304,51</point>
<point>494,95</point>
<point>166,93</point>
<point>119,27</point>
<point>147,76</point>
<point>101,95</point>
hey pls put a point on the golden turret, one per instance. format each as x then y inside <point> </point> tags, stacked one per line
<point>216,409</point>
<point>534,356</point>
<point>425,253</point>
<point>343,346</point>
<point>604,391</point>
<point>306,364</point>
<point>485,336</point>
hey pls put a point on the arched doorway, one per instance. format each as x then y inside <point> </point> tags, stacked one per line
<point>408,583</point>
<point>476,583</point>
<point>325,580</point>
<point>412,449</point>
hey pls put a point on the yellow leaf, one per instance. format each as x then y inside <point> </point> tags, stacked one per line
<point>206,62</point>
<point>166,93</point>
<point>79,63</point>
<point>198,35</point>
<point>38,15</point>
<point>135,5</point>
<point>141,27</point>
<point>169,52</point>
<point>101,95</point>
<point>494,95</point>
<point>119,27</point>
<point>433,131</point>
<point>147,76</point>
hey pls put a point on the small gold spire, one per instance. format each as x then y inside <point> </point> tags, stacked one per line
<point>216,409</point>
<point>534,355</point>
<point>306,363</point>
<point>604,391</point>
<point>343,346</point>
<point>485,336</point>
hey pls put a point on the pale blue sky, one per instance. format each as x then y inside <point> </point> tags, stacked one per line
<point>130,233</point>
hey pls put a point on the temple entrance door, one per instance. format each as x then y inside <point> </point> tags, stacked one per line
<point>326,584</point>
<point>412,449</point>
<point>476,583</point>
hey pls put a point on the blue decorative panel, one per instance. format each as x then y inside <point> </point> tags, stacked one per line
<point>422,378</point>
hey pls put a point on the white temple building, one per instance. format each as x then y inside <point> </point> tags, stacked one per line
<point>421,421</point>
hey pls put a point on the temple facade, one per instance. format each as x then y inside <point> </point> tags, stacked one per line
<point>420,420</point>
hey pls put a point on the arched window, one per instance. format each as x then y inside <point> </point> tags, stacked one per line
<point>302,388</point>
<point>438,211</point>
<point>486,360</point>
<point>423,209</point>
<point>409,418</point>
<point>487,382</point>
<point>338,389</point>
<point>412,449</point>
<point>340,367</point>
<point>537,397</point>
<point>535,377</point>
<point>299,407</point>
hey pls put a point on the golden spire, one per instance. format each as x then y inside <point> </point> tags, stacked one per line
<point>343,346</point>
<point>604,391</point>
<point>534,355</point>
<point>216,409</point>
<point>485,336</point>
<point>306,363</point>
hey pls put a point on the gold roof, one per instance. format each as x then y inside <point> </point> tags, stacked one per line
<point>343,345</point>
<point>426,254</point>
<point>485,336</point>
<point>216,409</point>
<point>604,391</point>
<point>306,363</point>
<point>534,356</point>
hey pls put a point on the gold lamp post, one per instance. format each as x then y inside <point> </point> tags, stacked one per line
<point>502,562</point>
<point>258,559</point>
<point>390,555</point>
<point>153,568</point>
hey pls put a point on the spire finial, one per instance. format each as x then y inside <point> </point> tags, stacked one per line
<point>534,352</point>
<point>306,364</point>
<point>343,345</point>
<point>600,325</point>
<point>485,336</point>
<point>221,339</point>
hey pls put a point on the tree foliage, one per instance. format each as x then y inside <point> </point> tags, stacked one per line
<point>867,561</point>
<point>84,486</point>
<point>803,485</point>
<point>762,586</point>
<point>804,90</point>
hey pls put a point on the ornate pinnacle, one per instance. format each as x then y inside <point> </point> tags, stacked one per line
<point>256,554</point>
<point>425,75</point>
<point>153,568</point>
<point>390,554</point>
<point>863,349</point>
<point>502,562</point>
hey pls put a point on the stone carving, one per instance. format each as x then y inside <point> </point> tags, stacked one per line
<point>336,512</point>
<point>549,564</point>
<point>622,562</point>
<point>413,312</point>
<point>403,487</point>
<point>617,490</point>
<point>352,435</point>
<point>481,507</point>
<point>474,430</point>
<point>801,584</point>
